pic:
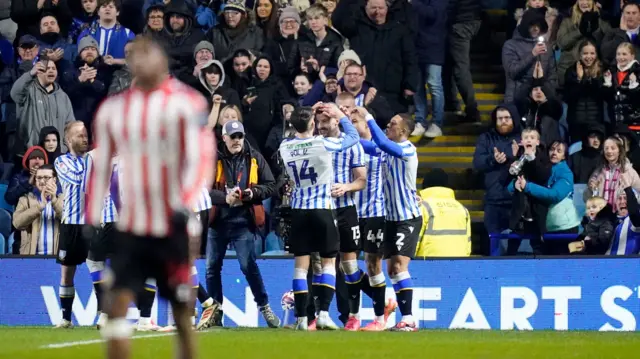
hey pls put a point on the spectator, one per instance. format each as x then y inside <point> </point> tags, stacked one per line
<point>494,152</point>
<point>241,74</point>
<point>626,237</point>
<point>181,37</point>
<point>464,22</point>
<point>88,81</point>
<point>26,13</point>
<point>607,178</point>
<point>41,102</point>
<point>583,92</point>
<point>111,36</point>
<point>28,55</point>
<point>23,181</point>
<point>430,47</point>
<point>529,212</point>
<point>280,46</point>
<point>235,32</point>
<point>154,17</point>
<point>584,162</point>
<point>212,78</point>
<point>621,86</point>
<point>38,214</point>
<point>88,14</point>
<point>330,5</point>
<point>318,45</point>
<point>267,17</point>
<point>54,44</point>
<point>550,16</point>
<point>202,53</point>
<point>8,28</point>
<point>630,140</point>
<point>599,223</point>
<point>540,108</point>
<point>584,24</point>
<point>238,214</point>
<point>521,53</point>
<point>627,33</point>
<point>122,78</point>
<point>50,141</point>
<point>386,47</point>
<point>203,15</point>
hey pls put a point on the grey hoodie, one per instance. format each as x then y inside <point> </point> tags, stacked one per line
<point>37,109</point>
<point>203,79</point>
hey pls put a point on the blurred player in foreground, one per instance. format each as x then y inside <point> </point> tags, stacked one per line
<point>156,130</point>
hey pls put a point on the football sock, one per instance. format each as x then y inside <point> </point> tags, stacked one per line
<point>378,288</point>
<point>146,298</point>
<point>67,294</point>
<point>324,286</point>
<point>203,296</point>
<point>403,287</point>
<point>352,277</point>
<point>300,291</point>
<point>365,285</point>
<point>95,270</point>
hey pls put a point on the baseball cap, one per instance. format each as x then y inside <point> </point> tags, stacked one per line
<point>27,39</point>
<point>232,127</point>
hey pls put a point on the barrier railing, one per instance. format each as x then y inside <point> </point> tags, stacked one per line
<point>495,238</point>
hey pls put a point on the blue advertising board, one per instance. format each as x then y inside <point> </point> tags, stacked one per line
<point>522,294</point>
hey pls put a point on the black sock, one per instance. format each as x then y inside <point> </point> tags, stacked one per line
<point>365,286</point>
<point>354,297</point>
<point>67,294</point>
<point>377,295</point>
<point>97,287</point>
<point>325,296</point>
<point>202,294</point>
<point>300,300</point>
<point>145,303</point>
<point>405,300</point>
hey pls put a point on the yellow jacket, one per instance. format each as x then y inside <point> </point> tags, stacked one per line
<point>446,225</point>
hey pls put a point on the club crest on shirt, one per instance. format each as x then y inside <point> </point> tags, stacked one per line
<point>62,254</point>
<point>62,167</point>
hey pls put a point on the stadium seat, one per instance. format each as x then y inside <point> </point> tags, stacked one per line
<point>5,173</point>
<point>575,147</point>
<point>2,245</point>
<point>230,252</point>
<point>10,242</point>
<point>274,253</point>
<point>5,223</point>
<point>273,242</point>
<point>3,203</point>
<point>578,198</point>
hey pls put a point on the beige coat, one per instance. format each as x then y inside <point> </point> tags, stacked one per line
<point>629,173</point>
<point>27,219</point>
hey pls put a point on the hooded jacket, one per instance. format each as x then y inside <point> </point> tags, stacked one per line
<point>518,59</point>
<point>37,108</point>
<point>585,101</point>
<point>585,161</point>
<point>634,150</point>
<point>229,95</point>
<point>48,130</point>
<point>180,47</point>
<point>600,231</point>
<point>496,175</point>
<point>545,116</point>
<point>19,184</point>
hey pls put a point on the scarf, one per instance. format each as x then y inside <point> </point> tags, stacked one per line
<point>611,177</point>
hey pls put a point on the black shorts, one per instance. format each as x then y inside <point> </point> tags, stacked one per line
<point>136,258</point>
<point>314,230</point>
<point>401,238</point>
<point>372,234</point>
<point>72,246</point>
<point>101,245</point>
<point>349,229</point>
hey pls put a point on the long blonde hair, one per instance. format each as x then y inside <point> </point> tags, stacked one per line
<point>230,108</point>
<point>576,13</point>
<point>595,70</point>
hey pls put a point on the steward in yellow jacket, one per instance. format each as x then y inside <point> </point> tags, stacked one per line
<point>446,225</point>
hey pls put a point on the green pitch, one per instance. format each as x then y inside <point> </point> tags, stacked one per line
<point>84,343</point>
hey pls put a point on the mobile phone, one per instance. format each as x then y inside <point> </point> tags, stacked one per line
<point>251,91</point>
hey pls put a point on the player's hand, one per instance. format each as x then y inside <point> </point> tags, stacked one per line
<point>338,190</point>
<point>332,110</point>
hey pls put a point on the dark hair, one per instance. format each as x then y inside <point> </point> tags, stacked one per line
<point>46,14</point>
<point>212,69</point>
<point>241,53</point>
<point>269,25</point>
<point>560,143</point>
<point>628,3</point>
<point>301,117</point>
<point>354,64</point>
<point>49,167</point>
<point>116,3</point>
<point>409,123</point>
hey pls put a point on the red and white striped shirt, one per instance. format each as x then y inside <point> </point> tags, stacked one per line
<point>168,157</point>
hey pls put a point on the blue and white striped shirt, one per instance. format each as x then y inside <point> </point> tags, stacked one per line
<point>370,201</point>
<point>626,239</point>
<point>109,211</point>
<point>47,229</point>
<point>343,162</point>
<point>71,171</point>
<point>400,184</point>
<point>204,202</point>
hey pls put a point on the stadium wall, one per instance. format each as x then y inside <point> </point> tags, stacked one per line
<point>523,294</point>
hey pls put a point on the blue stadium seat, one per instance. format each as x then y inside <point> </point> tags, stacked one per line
<point>578,198</point>
<point>10,242</point>
<point>575,147</point>
<point>274,253</point>
<point>2,244</point>
<point>5,223</point>
<point>230,252</point>
<point>3,203</point>
<point>5,173</point>
<point>273,242</point>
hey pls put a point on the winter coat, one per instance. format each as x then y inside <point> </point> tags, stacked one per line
<point>585,102</point>
<point>543,117</point>
<point>610,44</point>
<point>622,98</point>
<point>54,42</point>
<point>48,130</point>
<point>326,53</point>
<point>629,173</point>
<point>279,50</point>
<point>460,11</point>
<point>585,161</point>
<point>496,175</point>
<point>600,231</point>
<point>37,108</point>
<point>19,184</point>
<point>120,81</point>
<point>634,150</point>
<point>180,47</point>
<point>388,51</point>
<point>571,35</point>
<point>27,218</point>
<point>26,14</point>
<point>80,23</point>
<point>551,19</point>
<point>229,95</point>
<point>519,63</point>
<point>251,38</point>
<point>430,41</point>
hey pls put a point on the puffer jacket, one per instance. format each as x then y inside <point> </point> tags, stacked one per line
<point>326,53</point>
<point>585,101</point>
<point>623,99</point>
<point>585,161</point>
<point>544,117</point>
<point>121,81</point>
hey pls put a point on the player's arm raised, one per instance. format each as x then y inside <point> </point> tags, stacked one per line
<point>351,136</point>
<point>382,141</point>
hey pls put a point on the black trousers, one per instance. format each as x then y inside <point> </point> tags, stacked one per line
<point>457,70</point>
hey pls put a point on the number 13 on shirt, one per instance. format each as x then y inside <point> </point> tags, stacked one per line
<point>305,172</point>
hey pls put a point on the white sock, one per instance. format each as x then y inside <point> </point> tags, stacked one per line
<point>407,319</point>
<point>144,321</point>
<point>207,303</point>
<point>354,315</point>
<point>193,320</point>
<point>380,319</point>
<point>323,314</point>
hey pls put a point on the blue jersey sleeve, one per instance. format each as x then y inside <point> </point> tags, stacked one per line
<point>68,171</point>
<point>382,141</point>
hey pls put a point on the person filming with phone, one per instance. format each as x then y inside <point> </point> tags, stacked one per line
<point>243,180</point>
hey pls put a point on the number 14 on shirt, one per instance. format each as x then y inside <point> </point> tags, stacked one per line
<point>305,172</point>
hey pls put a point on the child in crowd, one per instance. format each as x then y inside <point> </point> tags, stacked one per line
<point>88,16</point>
<point>111,36</point>
<point>599,223</point>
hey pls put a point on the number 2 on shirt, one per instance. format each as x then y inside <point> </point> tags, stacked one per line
<point>306,172</point>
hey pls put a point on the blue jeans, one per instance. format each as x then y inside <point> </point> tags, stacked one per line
<point>431,75</point>
<point>244,243</point>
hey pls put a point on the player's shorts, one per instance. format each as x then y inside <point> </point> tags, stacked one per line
<point>401,238</point>
<point>372,234</point>
<point>101,245</point>
<point>72,246</point>
<point>136,258</point>
<point>349,229</point>
<point>314,230</point>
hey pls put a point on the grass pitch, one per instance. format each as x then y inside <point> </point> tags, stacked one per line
<point>85,343</point>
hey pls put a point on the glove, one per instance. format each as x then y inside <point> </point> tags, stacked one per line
<point>589,23</point>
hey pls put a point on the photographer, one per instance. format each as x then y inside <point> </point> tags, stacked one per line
<point>243,180</point>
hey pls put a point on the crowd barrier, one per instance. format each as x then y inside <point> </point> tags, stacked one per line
<point>491,293</point>
<point>495,239</point>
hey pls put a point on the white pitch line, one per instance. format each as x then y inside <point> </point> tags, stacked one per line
<point>96,341</point>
